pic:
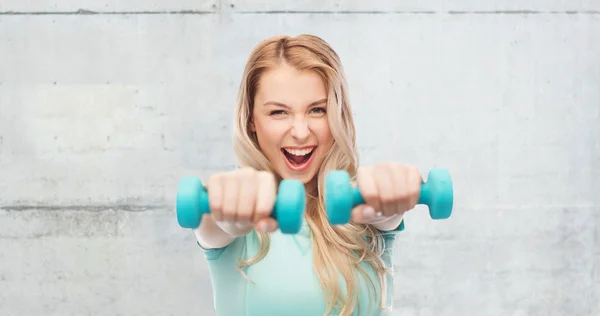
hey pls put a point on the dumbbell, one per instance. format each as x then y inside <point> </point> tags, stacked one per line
<point>290,204</point>
<point>340,196</point>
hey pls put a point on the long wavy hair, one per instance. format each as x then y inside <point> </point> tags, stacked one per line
<point>336,249</point>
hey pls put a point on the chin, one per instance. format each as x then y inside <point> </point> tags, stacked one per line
<point>304,178</point>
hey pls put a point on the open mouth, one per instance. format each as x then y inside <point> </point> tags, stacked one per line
<point>298,159</point>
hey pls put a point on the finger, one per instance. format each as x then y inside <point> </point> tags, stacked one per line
<point>414,181</point>
<point>387,193</point>
<point>401,193</point>
<point>368,187</point>
<point>265,196</point>
<point>231,190</point>
<point>363,214</point>
<point>246,200</point>
<point>266,225</point>
<point>215,197</point>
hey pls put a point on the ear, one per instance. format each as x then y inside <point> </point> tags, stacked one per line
<point>251,125</point>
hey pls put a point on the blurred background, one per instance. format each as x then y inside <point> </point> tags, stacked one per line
<point>105,105</point>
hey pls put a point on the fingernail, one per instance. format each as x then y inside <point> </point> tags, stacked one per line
<point>368,211</point>
<point>262,227</point>
<point>379,214</point>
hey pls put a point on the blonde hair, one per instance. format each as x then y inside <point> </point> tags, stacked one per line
<point>336,249</point>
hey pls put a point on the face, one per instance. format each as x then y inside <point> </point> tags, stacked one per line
<point>290,121</point>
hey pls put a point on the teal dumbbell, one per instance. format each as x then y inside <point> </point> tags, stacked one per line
<point>192,204</point>
<point>340,196</point>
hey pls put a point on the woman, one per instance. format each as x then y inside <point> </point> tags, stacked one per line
<point>294,121</point>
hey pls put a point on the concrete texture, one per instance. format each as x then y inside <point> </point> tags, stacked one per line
<point>105,105</point>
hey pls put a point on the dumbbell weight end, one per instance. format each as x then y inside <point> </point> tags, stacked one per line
<point>192,202</point>
<point>290,206</point>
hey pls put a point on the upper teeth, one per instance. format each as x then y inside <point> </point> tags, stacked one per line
<point>299,152</point>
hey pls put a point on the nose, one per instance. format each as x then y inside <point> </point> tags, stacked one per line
<point>300,129</point>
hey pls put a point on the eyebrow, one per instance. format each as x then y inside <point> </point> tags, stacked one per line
<point>288,107</point>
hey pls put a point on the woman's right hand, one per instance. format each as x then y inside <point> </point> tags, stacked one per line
<point>243,199</point>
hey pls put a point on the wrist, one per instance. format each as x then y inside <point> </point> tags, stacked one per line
<point>233,229</point>
<point>388,223</point>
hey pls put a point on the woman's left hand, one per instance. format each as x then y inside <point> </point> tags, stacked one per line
<point>389,191</point>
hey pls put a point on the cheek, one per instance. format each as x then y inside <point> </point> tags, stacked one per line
<point>322,131</point>
<point>270,134</point>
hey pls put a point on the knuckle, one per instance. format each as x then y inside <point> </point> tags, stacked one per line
<point>266,178</point>
<point>226,178</point>
<point>236,173</point>
<point>265,175</point>
<point>214,202</point>
<point>400,170</point>
<point>246,172</point>
<point>263,210</point>
<point>248,176</point>
<point>412,171</point>
<point>380,166</point>
<point>215,179</point>
<point>228,211</point>
<point>389,199</point>
<point>369,194</point>
<point>361,171</point>
<point>402,196</point>
<point>215,205</point>
<point>415,192</point>
<point>244,216</point>
<point>229,205</point>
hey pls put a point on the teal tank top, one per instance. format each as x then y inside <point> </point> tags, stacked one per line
<point>284,282</point>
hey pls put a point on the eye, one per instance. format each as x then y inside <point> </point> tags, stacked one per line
<point>318,110</point>
<point>276,112</point>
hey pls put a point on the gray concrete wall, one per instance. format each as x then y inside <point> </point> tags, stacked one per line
<point>104,105</point>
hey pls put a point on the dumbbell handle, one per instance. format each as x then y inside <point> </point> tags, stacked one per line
<point>424,197</point>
